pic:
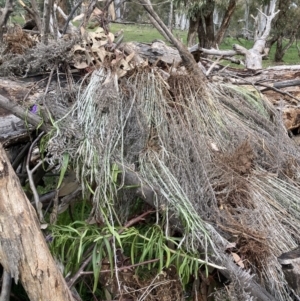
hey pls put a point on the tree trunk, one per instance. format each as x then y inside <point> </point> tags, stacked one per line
<point>118,9</point>
<point>170,21</point>
<point>36,15</point>
<point>225,23</point>
<point>23,250</point>
<point>192,33</point>
<point>246,20</point>
<point>112,11</point>
<point>206,33</point>
<point>279,50</point>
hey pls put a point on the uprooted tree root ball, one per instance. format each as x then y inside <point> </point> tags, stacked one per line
<point>210,153</point>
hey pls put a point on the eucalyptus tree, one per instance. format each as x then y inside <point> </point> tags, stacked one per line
<point>209,20</point>
<point>286,26</point>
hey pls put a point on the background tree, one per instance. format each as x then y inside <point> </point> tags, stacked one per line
<point>4,15</point>
<point>202,17</point>
<point>286,26</point>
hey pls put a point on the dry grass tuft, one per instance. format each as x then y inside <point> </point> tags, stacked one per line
<point>216,156</point>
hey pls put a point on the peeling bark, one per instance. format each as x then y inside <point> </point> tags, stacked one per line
<point>23,250</point>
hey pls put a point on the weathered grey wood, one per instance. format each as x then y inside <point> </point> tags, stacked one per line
<point>290,263</point>
<point>23,249</point>
<point>11,126</point>
<point>157,51</point>
<point>22,113</point>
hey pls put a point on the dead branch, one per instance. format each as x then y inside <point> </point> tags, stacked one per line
<point>20,156</point>
<point>6,11</point>
<point>30,173</point>
<point>23,250</point>
<point>186,56</point>
<point>72,281</point>
<point>287,83</point>
<point>22,113</point>
<point>216,52</point>
<point>33,12</point>
<point>266,32</point>
<point>70,16</point>
<point>268,87</point>
<point>126,267</point>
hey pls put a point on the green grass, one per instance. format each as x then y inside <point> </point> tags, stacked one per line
<point>290,58</point>
<point>143,33</point>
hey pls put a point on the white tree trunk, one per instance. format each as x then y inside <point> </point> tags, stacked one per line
<point>217,19</point>
<point>253,56</point>
<point>246,19</point>
<point>170,21</point>
<point>111,11</point>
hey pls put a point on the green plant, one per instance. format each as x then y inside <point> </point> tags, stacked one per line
<point>72,242</point>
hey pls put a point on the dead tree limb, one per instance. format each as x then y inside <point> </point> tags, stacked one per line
<point>253,56</point>
<point>33,12</point>
<point>30,172</point>
<point>23,249</point>
<point>71,16</point>
<point>6,11</point>
<point>22,113</point>
<point>186,56</point>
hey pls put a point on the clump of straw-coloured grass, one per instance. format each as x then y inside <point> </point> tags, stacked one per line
<point>215,154</point>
